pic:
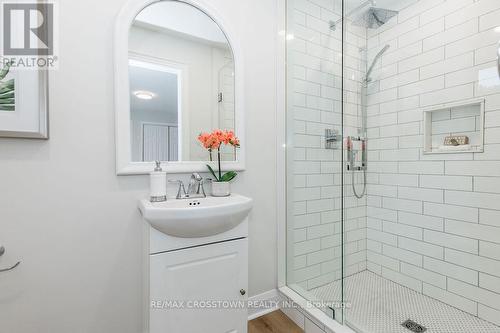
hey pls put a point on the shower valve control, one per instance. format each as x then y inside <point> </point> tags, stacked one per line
<point>331,138</point>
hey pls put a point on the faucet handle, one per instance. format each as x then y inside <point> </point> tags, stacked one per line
<point>196,176</point>
<point>196,185</point>
<point>181,189</point>
<point>202,188</point>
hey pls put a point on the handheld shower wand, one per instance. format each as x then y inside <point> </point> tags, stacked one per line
<point>351,162</point>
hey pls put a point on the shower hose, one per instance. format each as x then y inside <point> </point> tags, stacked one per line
<point>359,196</point>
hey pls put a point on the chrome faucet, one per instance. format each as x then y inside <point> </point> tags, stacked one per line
<point>195,188</point>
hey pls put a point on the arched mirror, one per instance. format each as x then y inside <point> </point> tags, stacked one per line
<point>176,77</point>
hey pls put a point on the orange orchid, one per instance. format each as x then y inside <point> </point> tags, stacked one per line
<point>218,137</point>
<point>214,140</point>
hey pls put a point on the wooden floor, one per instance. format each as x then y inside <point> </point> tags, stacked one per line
<point>274,322</point>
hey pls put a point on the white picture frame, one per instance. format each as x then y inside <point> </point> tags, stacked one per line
<point>30,118</point>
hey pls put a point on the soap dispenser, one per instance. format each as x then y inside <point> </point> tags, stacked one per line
<point>158,184</point>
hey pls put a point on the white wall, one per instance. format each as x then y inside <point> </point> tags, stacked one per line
<point>433,220</point>
<point>174,16</point>
<point>73,223</point>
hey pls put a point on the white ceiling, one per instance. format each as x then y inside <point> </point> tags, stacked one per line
<point>182,18</point>
<point>162,84</point>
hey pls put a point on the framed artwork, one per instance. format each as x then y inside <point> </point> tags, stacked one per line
<point>23,103</point>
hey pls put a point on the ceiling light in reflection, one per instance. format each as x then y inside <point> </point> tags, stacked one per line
<point>497,29</point>
<point>290,36</point>
<point>142,94</point>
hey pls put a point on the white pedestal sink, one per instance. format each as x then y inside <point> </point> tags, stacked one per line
<point>193,218</point>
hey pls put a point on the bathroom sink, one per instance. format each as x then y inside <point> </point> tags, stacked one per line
<point>189,218</point>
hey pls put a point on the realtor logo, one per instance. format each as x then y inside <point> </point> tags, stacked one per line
<point>29,32</point>
<point>28,29</point>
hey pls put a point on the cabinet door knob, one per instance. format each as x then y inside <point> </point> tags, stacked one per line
<point>243,292</point>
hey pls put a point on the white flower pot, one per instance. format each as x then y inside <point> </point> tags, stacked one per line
<point>221,189</point>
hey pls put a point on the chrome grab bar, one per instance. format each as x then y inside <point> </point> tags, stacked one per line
<point>2,251</point>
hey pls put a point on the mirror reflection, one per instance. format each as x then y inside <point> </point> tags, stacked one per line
<point>181,73</point>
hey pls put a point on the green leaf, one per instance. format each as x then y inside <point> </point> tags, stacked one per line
<point>7,107</point>
<point>4,71</point>
<point>212,172</point>
<point>7,86</point>
<point>228,176</point>
<point>7,101</point>
<point>7,94</point>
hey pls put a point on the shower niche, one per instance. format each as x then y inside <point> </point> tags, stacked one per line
<point>454,128</point>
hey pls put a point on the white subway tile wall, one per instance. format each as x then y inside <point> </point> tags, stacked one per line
<point>314,105</point>
<point>433,222</point>
<point>428,222</point>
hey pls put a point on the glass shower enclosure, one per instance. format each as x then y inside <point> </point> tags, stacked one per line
<point>393,162</point>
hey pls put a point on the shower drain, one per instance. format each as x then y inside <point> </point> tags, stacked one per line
<point>413,326</point>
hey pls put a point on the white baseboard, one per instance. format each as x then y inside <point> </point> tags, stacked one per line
<point>266,297</point>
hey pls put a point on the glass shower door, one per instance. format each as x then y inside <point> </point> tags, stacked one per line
<point>393,144</point>
<point>314,152</point>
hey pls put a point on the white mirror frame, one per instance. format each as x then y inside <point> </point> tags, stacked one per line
<point>124,164</point>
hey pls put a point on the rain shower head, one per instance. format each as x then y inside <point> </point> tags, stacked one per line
<point>374,17</point>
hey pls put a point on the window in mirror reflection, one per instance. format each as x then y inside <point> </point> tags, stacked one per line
<point>181,74</point>
<point>155,111</point>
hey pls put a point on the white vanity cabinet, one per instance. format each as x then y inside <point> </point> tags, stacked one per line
<point>197,257</point>
<point>198,279</point>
